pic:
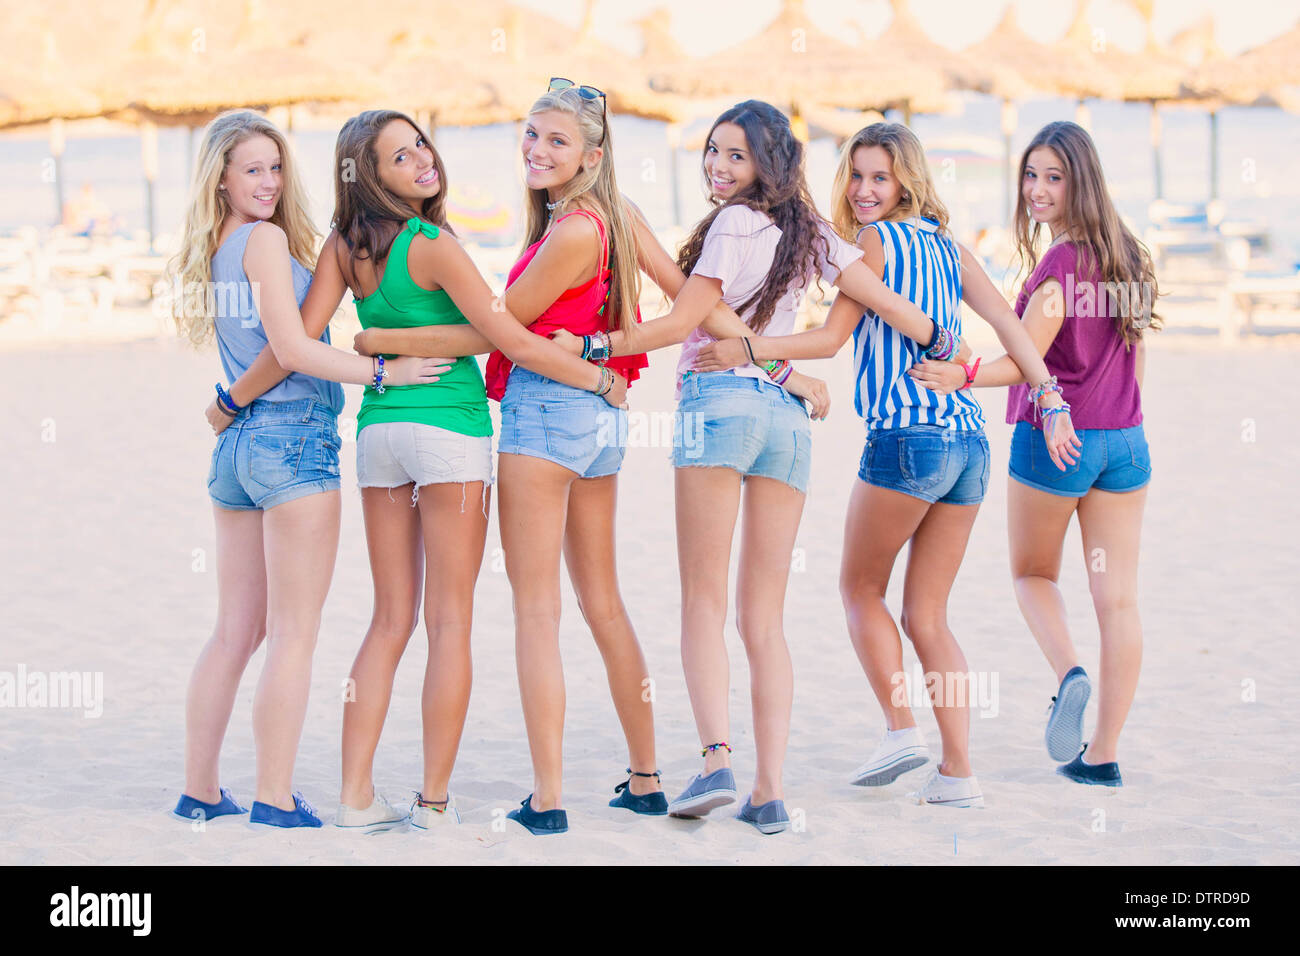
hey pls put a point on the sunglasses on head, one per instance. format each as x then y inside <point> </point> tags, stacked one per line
<point>586,92</point>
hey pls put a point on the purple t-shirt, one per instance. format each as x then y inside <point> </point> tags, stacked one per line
<point>1097,374</point>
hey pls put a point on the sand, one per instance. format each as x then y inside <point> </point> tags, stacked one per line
<point>108,568</point>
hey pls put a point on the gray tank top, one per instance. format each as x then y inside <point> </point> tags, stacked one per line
<point>240,336</point>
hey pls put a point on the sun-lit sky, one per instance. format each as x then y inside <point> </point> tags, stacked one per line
<point>704,27</point>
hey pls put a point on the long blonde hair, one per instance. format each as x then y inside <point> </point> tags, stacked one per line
<point>908,163</point>
<point>596,190</point>
<point>1105,244</point>
<point>189,273</point>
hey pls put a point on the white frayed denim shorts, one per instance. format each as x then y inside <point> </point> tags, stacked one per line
<point>393,454</point>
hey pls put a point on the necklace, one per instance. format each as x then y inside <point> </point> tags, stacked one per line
<point>552,206</point>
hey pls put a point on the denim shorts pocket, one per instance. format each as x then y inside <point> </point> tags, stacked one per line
<point>329,445</point>
<point>1140,454</point>
<point>923,460</point>
<point>216,452</point>
<point>1041,464</point>
<point>274,460</point>
<point>569,432</point>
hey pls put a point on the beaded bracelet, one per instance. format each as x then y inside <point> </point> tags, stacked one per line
<point>944,347</point>
<point>1049,416</point>
<point>1036,394</point>
<point>785,373</point>
<point>597,347</point>
<point>712,747</point>
<point>381,373</point>
<point>227,404</point>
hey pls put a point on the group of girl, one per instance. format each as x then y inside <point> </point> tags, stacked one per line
<point>566,341</point>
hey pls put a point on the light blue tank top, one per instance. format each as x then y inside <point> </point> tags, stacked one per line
<point>240,336</point>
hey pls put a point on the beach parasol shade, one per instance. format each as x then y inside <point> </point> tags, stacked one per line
<point>38,88</point>
<point>1151,74</point>
<point>792,61</point>
<point>1022,66</point>
<point>1267,75</point>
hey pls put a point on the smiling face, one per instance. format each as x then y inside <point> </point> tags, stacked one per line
<point>405,163</point>
<point>252,182</point>
<point>1044,187</point>
<point>728,162</point>
<point>553,151</point>
<point>874,191</point>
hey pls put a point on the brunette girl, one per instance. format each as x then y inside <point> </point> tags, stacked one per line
<point>924,470</point>
<point>1086,304</point>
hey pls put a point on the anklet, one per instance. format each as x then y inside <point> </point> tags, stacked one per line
<point>712,747</point>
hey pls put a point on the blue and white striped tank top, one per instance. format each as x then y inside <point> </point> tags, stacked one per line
<point>925,267</point>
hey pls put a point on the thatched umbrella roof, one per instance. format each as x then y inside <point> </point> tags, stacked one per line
<point>792,61</point>
<point>1022,65</point>
<point>906,41</point>
<point>1153,73</point>
<point>1267,75</point>
<point>36,92</point>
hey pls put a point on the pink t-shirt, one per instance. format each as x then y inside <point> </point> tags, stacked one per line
<point>1097,374</point>
<point>739,249</point>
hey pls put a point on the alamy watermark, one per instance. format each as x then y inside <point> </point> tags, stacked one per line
<point>1094,300</point>
<point>976,689</point>
<point>676,429</point>
<point>69,690</point>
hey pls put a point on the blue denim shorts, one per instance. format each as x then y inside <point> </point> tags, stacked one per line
<point>751,426</point>
<point>930,462</point>
<point>543,418</point>
<point>1112,459</point>
<point>274,452</point>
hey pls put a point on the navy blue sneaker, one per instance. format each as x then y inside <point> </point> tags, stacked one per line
<point>303,814</point>
<point>703,794</point>
<point>652,804</point>
<point>189,809</point>
<point>1065,719</point>
<point>1098,774</point>
<point>767,817</point>
<point>539,822</point>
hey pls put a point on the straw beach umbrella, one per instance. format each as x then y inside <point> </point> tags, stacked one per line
<point>1151,75</point>
<point>1267,75</point>
<point>792,61</point>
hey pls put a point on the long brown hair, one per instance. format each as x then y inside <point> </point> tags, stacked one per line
<point>1105,244</point>
<point>595,189</point>
<point>366,215</point>
<point>781,191</point>
<point>909,166</point>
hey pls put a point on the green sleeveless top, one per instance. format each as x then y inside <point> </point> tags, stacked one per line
<point>458,400</point>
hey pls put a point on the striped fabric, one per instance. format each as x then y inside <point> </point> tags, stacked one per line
<point>925,267</point>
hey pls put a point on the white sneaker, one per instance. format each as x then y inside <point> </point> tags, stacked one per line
<point>941,791</point>
<point>423,818</point>
<point>898,752</point>
<point>380,815</point>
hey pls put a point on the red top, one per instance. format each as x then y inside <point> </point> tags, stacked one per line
<point>578,310</point>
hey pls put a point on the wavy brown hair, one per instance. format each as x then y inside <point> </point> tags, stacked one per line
<point>366,215</point>
<point>1105,244</point>
<point>779,190</point>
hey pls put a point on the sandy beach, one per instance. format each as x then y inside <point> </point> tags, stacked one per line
<point>109,568</point>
